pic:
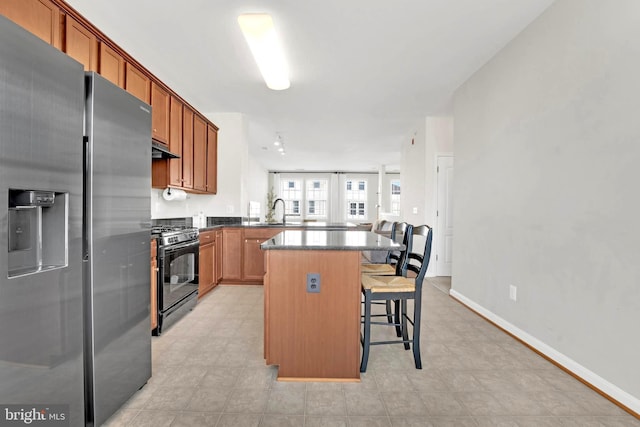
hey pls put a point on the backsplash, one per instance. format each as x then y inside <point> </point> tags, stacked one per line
<point>211,221</point>
<point>224,220</point>
<point>210,206</point>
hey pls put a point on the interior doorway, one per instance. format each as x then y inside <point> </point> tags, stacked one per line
<point>444,213</point>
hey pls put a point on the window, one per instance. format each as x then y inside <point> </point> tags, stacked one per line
<point>317,196</point>
<point>395,197</point>
<point>356,195</point>
<point>305,198</point>
<point>291,190</point>
<point>356,210</point>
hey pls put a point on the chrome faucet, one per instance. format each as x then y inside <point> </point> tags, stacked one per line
<point>284,209</point>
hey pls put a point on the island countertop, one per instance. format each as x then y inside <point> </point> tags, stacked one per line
<point>330,240</point>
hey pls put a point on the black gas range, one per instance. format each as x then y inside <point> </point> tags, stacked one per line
<point>178,258</point>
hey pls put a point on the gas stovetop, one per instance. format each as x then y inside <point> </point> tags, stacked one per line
<point>174,234</point>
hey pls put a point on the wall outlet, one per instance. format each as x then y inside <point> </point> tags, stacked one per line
<point>415,210</point>
<point>513,292</point>
<point>313,283</point>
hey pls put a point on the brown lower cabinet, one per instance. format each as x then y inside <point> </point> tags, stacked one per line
<point>154,284</point>
<point>242,258</point>
<point>218,270</point>
<point>207,263</point>
<point>232,254</point>
<point>229,254</point>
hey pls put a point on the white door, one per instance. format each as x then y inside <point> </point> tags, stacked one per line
<point>444,230</point>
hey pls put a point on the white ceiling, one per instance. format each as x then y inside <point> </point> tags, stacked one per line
<point>364,73</point>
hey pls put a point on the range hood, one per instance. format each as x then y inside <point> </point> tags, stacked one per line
<point>159,151</point>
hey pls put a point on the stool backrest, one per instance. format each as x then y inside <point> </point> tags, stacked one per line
<point>418,254</point>
<point>400,232</point>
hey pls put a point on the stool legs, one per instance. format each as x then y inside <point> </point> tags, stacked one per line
<point>405,331</point>
<point>366,335</point>
<point>398,317</point>
<point>389,313</point>
<point>416,332</point>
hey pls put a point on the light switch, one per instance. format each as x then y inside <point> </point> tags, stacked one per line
<point>313,283</point>
<point>415,210</point>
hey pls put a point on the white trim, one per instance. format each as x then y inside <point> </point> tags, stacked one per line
<point>571,365</point>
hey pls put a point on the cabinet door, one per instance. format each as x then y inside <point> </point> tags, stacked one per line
<point>40,17</point>
<point>232,254</point>
<point>159,113</point>
<point>252,260</point>
<point>138,83</point>
<point>81,44</point>
<point>206,265</point>
<point>111,65</point>
<point>218,269</point>
<point>252,256</point>
<point>199,153</point>
<point>212,160</point>
<point>187,148</point>
<point>175,141</point>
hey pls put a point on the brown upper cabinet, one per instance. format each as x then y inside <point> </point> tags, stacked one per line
<point>81,44</point>
<point>111,65</point>
<point>212,159</point>
<point>175,141</point>
<point>199,153</point>
<point>174,123</point>
<point>168,172</point>
<point>138,83</point>
<point>160,103</point>
<point>40,17</point>
<point>187,148</point>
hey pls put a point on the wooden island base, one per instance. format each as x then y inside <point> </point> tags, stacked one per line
<point>313,336</point>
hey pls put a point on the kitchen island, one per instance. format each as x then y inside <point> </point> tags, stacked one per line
<point>312,302</point>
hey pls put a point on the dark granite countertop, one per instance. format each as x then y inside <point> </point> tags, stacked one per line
<point>337,240</point>
<point>299,225</point>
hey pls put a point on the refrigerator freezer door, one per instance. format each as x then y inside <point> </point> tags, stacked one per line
<point>41,114</point>
<point>118,194</point>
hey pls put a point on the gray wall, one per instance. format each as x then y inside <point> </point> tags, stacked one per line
<point>547,186</point>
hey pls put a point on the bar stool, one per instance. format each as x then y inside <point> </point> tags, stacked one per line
<point>392,263</point>
<point>399,288</point>
<point>392,267</point>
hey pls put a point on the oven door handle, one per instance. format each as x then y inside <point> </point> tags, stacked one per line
<point>182,246</point>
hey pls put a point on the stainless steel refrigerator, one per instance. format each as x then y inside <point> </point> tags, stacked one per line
<point>117,246</point>
<point>74,293</point>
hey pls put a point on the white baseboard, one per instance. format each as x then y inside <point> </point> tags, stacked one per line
<point>571,365</point>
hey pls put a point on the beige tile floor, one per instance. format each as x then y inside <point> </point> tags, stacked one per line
<point>208,370</point>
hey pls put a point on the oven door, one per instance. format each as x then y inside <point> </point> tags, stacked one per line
<point>178,273</point>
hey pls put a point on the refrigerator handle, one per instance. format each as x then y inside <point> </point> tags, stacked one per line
<point>86,183</point>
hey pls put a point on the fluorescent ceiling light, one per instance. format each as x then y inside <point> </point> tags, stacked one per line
<point>263,41</point>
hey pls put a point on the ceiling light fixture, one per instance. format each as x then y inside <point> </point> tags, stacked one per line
<point>278,143</point>
<point>262,39</point>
